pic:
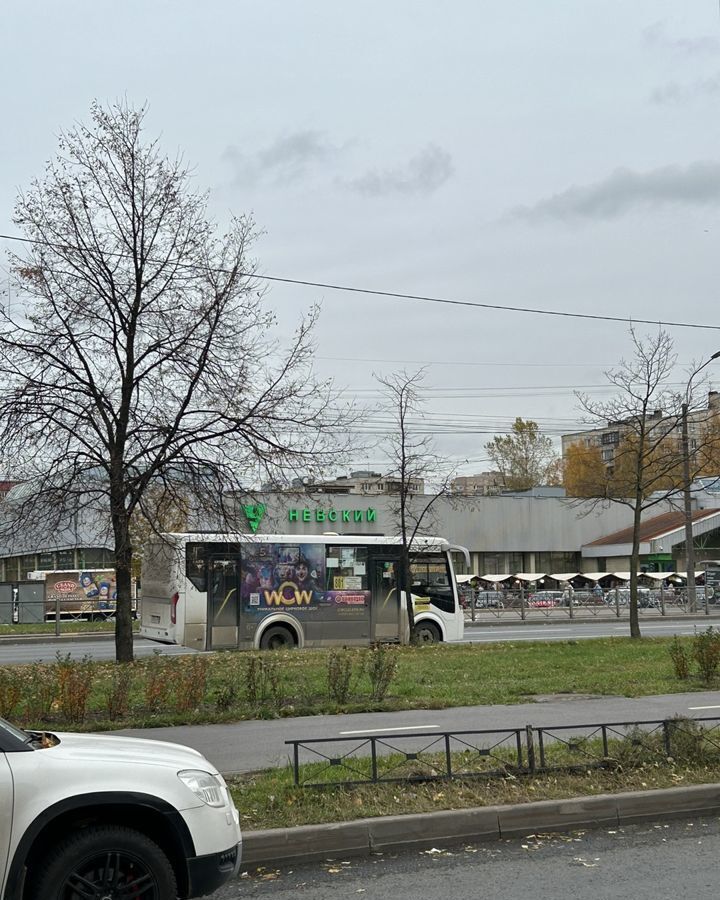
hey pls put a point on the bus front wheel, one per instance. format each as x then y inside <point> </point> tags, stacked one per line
<point>426,633</point>
<point>277,637</point>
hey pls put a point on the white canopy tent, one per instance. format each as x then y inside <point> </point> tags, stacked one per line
<point>530,576</point>
<point>565,576</point>
<point>595,576</point>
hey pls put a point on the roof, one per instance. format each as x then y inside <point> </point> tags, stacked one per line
<point>653,528</point>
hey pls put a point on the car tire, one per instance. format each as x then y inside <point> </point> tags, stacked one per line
<point>426,633</point>
<point>277,637</point>
<point>105,858</point>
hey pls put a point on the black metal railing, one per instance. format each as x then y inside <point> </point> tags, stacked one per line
<point>441,755</point>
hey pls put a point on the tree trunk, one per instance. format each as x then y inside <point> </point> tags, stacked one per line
<point>634,568</point>
<point>123,575</point>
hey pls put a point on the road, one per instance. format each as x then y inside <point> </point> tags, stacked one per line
<point>559,631</point>
<point>651,861</point>
<point>26,650</point>
<point>238,747</point>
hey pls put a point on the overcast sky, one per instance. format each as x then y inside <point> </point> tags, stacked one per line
<point>556,155</point>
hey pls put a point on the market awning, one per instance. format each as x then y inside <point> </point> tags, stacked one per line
<point>565,576</point>
<point>496,578</point>
<point>530,576</point>
<point>463,579</point>
<point>595,576</point>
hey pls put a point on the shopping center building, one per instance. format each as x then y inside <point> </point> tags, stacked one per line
<point>534,532</point>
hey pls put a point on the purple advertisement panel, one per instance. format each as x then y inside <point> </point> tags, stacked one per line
<point>282,576</point>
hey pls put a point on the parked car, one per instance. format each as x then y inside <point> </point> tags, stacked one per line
<point>489,600</point>
<point>90,815</point>
<point>545,599</point>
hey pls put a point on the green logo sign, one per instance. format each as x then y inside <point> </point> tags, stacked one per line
<point>254,515</point>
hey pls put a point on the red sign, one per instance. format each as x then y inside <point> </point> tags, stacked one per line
<point>66,587</point>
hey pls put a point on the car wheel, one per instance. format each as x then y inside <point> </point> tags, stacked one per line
<point>105,861</point>
<point>278,638</point>
<point>426,633</point>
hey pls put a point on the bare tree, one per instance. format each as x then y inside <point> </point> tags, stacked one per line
<point>144,372</point>
<point>647,462</point>
<point>414,466</point>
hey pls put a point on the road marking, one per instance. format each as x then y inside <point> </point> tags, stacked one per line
<point>383,730</point>
<point>703,707</point>
<point>524,630</point>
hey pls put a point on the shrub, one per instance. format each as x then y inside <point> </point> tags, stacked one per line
<point>381,667</point>
<point>117,691</point>
<point>190,682</point>
<point>680,658</point>
<point>40,693</point>
<point>11,691</point>
<point>706,650</point>
<point>262,680</point>
<point>686,740</point>
<point>74,683</point>
<point>158,684</point>
<point>339,675</point>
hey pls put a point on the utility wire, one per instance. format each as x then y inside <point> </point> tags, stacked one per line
<point>396,295</point>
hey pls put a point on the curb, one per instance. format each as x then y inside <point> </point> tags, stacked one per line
<point>47,637</point>
<point>586,620</point>
<point>307,843</point>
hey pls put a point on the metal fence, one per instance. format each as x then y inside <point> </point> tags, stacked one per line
<point>583,604</point>
<point>438,756</point>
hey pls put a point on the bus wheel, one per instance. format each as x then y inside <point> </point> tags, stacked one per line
<point>277,637</point>
<point>426,633</point>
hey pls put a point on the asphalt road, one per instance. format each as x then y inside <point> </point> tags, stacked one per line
<point>559,631</point>
<point>654,861</point>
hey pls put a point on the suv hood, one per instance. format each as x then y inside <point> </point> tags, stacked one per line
<point>127,750</point>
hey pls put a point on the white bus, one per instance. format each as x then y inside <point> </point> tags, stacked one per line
<point>221,591</point>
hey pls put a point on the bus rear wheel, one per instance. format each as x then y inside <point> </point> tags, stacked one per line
<point>277,637</point>
<point>426,633</point>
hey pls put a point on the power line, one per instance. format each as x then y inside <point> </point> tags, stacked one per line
<point>397,295</point>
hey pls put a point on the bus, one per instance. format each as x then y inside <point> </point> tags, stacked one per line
<point>223,591</point>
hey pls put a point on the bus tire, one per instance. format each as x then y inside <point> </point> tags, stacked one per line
<point>426,633</point>
<point>278,637</point>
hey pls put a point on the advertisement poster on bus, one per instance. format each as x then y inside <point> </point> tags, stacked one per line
<point>299,577</point>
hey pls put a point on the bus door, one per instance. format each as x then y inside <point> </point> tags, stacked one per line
<point>223,583</point>
<point>385,606</point>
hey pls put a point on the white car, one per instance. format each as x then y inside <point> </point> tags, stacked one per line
<point>102,816</point>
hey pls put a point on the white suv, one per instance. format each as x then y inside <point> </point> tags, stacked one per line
<point>87,816</point>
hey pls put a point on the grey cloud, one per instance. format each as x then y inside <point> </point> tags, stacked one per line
<point>656,35</point>
<point>289,157</point>
<point>625,190</point>
<point>422,174</point>
<point>673,92</point>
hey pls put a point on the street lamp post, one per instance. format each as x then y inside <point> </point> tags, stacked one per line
<point>687,504</point>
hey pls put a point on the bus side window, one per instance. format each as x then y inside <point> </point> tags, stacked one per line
<point>195,566</point>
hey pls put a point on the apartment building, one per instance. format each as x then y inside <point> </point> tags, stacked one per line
<point>608,437</point>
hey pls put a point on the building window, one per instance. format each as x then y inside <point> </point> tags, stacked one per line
<point>610,437</point>
<point>46,561</point>
<point>95,558</point>
<point>607,455</point>
<point>66,559</point>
